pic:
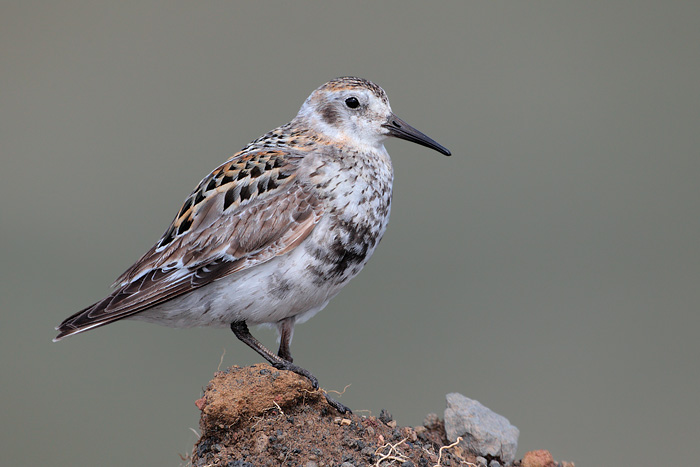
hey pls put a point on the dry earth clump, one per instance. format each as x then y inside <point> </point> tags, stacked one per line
<point>259,416</point>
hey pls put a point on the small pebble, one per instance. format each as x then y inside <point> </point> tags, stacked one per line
<point>540,458</point>
<point>385,417</point>
<point>431,421</point>
<point>367,451</point>
<point>481,461</point>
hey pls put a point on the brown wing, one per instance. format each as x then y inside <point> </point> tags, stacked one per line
<point>249,210</point>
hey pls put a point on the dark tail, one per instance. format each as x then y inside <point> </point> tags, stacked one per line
<point>94,316</point>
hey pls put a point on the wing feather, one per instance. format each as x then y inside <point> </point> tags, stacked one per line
<point>212,237</point>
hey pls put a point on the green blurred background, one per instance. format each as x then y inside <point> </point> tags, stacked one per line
<point>549,269</point>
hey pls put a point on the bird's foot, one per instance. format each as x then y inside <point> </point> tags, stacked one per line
<point>337,405</point>
<point>289,366</point>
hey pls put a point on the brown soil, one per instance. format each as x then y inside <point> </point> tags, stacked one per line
<point>260,416</point>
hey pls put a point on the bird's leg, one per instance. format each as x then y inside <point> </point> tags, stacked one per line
<point>240,329</point>
<point>286,330</point>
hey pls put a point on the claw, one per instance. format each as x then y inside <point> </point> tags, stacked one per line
<point>337,405</point>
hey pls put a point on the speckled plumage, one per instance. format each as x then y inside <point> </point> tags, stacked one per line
<point>272,234</point>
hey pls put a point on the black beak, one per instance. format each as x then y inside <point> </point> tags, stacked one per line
<point>403,130</point>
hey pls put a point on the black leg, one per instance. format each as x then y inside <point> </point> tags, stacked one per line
<point>240,329</point>
<point>285,328</point>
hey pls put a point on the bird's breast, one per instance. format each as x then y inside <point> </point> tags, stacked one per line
<point>357,194</point>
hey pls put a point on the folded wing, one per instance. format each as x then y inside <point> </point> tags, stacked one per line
<point>246,212</point>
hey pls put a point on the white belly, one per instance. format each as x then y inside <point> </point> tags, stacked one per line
<point>280,288</point>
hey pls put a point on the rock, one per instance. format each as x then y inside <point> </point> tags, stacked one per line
<point>431,421</point>
<point>494,463</point>
<point>483,432</point>
<point>481,461</point>
<point>253,391</point>
<point>540,458</point>
<point>385,416</point>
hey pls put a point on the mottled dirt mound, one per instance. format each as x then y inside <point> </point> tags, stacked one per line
<point>260,416</point>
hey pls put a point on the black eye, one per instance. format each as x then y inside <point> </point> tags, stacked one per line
<point>352,102</point>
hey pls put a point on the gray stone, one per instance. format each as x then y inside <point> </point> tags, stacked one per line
<point>483,432</point>
<point>494,463</point>
<point>481,461</point>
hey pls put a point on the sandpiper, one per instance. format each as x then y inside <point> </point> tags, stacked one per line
<point>273,233</point>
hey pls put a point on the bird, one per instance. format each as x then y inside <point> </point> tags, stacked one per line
<point>271,235</point>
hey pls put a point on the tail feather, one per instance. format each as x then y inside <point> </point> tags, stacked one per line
<point>94,316</point>
<point>146,291</point>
